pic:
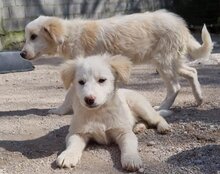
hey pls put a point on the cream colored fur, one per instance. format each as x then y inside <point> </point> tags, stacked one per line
<point>108,120</point>
<point>160,38</point>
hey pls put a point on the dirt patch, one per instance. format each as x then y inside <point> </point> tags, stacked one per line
<point>30,139</point>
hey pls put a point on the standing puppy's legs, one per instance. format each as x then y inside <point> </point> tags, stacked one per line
<point>191,75</point>
<point>66,107</point>
<point>127,142</point>
<point>75,145</point>
<point>172,86</point>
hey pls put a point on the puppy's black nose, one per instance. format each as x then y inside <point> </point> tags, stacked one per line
<point>23,54</point>
<point>89,100</point>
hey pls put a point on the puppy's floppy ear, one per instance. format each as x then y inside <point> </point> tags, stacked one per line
<point>122,66</point>
<point>54,30</point>
<point>68,72</point>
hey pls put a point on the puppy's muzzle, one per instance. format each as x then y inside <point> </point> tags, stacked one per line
<point>90,100</point>
<point>23,54</point>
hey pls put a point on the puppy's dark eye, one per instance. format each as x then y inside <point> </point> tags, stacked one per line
<point>101,80</point>
<point>33,36</point>
<point>81,82</point>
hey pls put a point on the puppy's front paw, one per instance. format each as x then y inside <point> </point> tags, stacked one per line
<point>163,127</point>
<point>131,162</point>
<point>67,159</point>
<point>57,111</point>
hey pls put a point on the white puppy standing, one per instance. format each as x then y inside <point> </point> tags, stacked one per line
<point>102,112</point>
<point>160,38</point>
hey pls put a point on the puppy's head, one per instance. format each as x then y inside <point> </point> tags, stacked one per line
<point>94,78</point>
<point>42,36</point>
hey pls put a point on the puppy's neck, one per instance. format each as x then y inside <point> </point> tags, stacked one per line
<point>80,38</point>
<point>64,50</point>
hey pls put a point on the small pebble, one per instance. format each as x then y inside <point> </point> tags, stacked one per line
<point>151,143</point>
<point>141,170</point>
<point>198,161</point>
<point>202,128</point>
<point>179,149</point>
<point>212,126</point>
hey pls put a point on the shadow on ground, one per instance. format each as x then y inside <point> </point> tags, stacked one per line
<point>41,147</point>
<point>205,158</point>
<point>54,61</point>
<point>209,74</point>
<point>192,114</point>
<point>33,111</point>
<point>54,142</point>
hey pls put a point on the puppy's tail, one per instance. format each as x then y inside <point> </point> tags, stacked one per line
<point>165,113</point>
<point>196,50</point>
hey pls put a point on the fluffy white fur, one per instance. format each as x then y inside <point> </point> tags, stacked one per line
<point>112,116</point>
<point>160,38</point>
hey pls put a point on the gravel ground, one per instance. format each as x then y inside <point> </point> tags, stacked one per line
<point>30,139</point>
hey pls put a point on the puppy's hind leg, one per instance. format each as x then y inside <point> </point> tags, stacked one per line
<point>141,107</point>
<point>66,107</point>
<point>191,75</point>
<point>139,127</point>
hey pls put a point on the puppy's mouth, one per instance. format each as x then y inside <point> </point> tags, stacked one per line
<point>94,106</point>
<point>37,55</point>
<point>33,57</point>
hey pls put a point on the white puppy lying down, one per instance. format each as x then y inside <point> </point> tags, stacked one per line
<point>102,112</point>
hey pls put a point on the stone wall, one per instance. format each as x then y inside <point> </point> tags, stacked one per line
<point>15,14</point>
